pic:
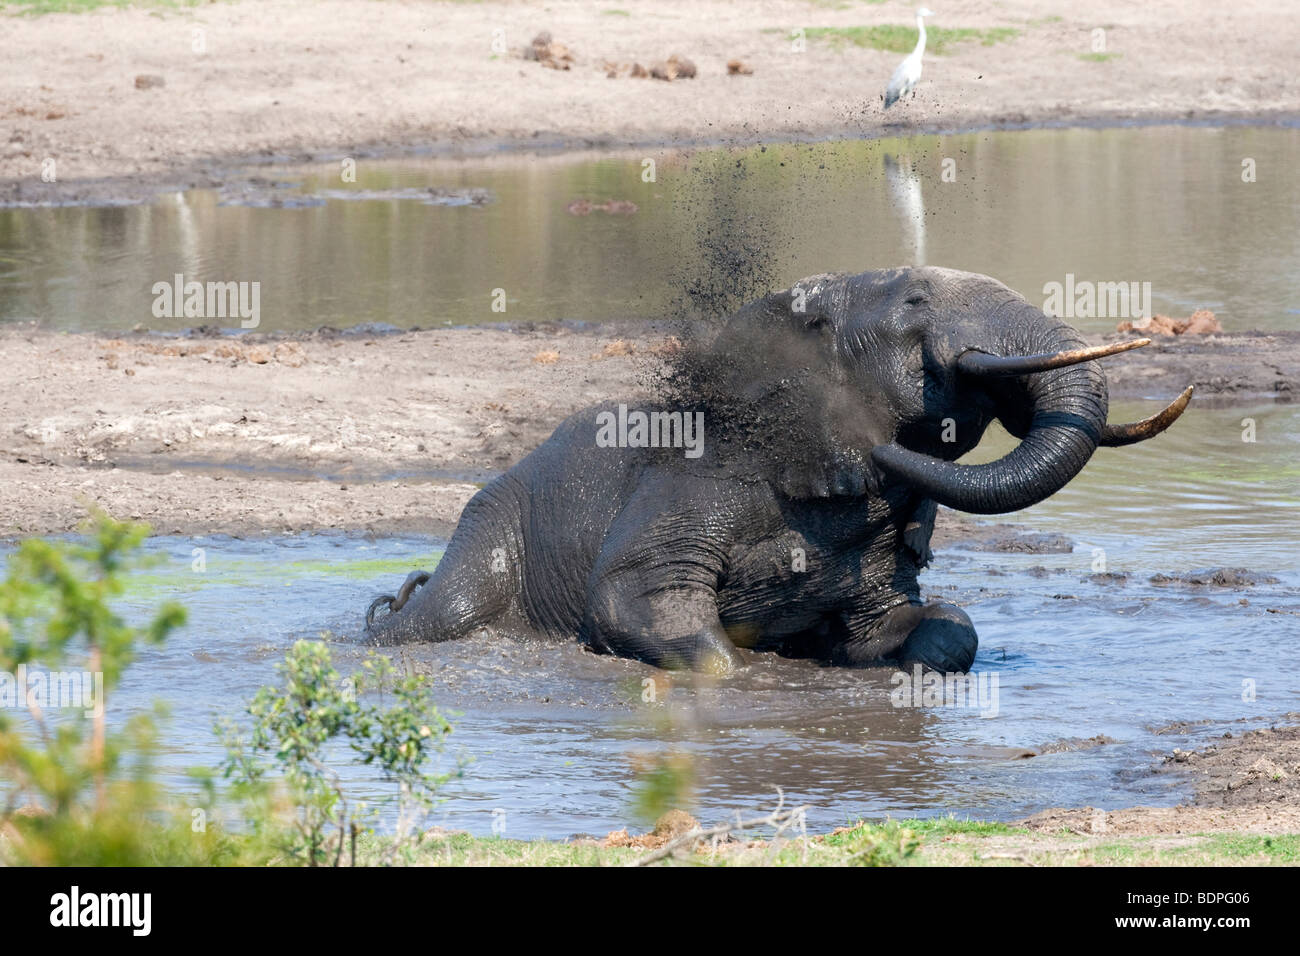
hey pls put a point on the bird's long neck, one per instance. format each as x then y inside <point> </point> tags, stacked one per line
<point>920,40</point>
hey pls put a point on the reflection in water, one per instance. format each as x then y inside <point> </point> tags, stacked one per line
<point>905,192</point>
<point>1164,205</point>
<point>188,234</point>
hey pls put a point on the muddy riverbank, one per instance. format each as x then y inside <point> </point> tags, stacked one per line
<point>1244,782</point>
<point>126,103</point>
<point>379,432</point>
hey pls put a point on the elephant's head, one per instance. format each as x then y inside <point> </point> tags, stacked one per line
<point>906,368</point>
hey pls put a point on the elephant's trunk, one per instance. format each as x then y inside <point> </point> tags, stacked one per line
<point>1059,414</point>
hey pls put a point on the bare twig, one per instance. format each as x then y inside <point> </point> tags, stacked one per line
<point>797,818</point>
<point>343,818</point>
<point>97,732</point>
<point>779,818</point>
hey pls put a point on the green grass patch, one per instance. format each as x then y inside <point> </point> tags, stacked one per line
<point>461,849</point>
<point>1208,849</point>
<point>943,841</point>
<point>866,844</point>
<point>1072,849</point>
<point>1121,854</point>
<point>177,577</point>
<point>946,826</point>
<point>1283,848</point>
<point>869,844</point>
<point>1099,57</point>
<point>894,38</point>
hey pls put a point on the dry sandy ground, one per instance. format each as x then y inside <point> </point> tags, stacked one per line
<point>321,428</point>
<point>349,431</point>
<point>305,78</point>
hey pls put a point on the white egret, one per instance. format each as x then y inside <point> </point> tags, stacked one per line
<point>908,73</point>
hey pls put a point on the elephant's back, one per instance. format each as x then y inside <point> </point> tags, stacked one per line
<point>569,491</point>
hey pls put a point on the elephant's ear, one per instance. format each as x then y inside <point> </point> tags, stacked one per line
<point>813,299</point>
<point>771,380</point>
<point>816,451</point>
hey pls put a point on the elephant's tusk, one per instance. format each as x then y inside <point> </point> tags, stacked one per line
<point>1113,436</point>
<point>973,362</point>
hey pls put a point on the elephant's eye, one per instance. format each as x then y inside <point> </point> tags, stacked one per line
<point>917,300</point>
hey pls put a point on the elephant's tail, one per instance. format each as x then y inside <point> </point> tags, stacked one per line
<point>473,585</point>
<point>395,603</point>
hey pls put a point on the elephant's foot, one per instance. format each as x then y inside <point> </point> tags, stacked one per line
<point>713,653</point>
<point>705,652</point>
<point>937,636</point>
<point>395,603</point>
<point>943,640</point>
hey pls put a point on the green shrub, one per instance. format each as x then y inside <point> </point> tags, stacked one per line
<point>76,791</point>
<point>295,802</point>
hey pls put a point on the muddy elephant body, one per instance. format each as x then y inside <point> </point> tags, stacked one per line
<point>832,416</point>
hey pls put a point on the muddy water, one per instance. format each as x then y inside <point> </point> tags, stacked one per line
<point>1164,205</point>
<point>556,735</point>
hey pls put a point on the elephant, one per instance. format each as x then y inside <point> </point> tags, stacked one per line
<point>798,518</point>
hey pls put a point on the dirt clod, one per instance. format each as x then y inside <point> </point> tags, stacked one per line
<point>552,55</point>
<point>1200,322</point>
<point>1234,578</point>
<point>671,825</point>
<point>674,68</point>
<point>1010,541</point>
